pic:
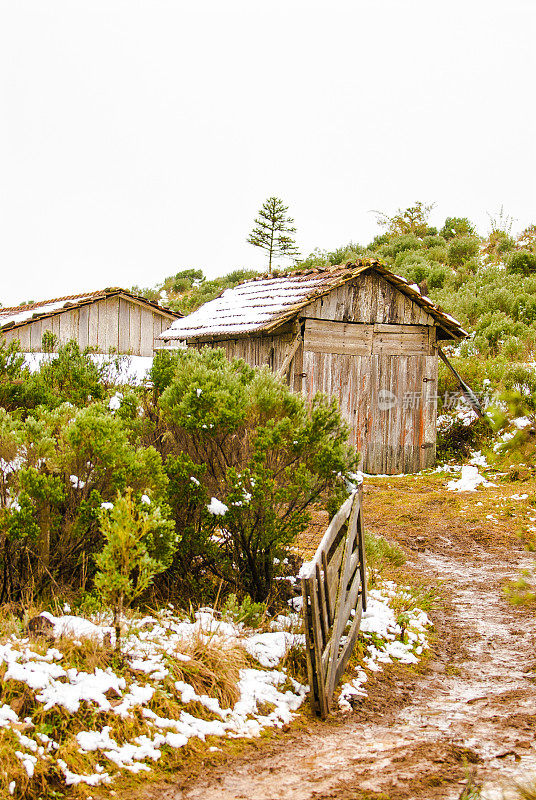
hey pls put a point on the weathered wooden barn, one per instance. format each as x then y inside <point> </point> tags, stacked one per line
<point>104,320</point>
<point>357,332</point>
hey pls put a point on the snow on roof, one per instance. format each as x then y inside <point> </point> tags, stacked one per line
<point>265,303</point>
<point>247,307</point>
<point>17,315</point>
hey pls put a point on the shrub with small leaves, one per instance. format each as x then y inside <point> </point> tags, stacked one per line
<point>461,249</point>
<point>249,613</point>
<point>246,460</point>
<point>522,262</point>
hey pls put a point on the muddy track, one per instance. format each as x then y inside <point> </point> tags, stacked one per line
<point>474,709</point>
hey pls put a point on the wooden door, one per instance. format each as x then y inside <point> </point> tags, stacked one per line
<point>385,380</point>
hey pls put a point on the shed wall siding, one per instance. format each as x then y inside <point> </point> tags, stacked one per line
<point>390,409</point>
<point>113,322</point>
<point>368,299</point>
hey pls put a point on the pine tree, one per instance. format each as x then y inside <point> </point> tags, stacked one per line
<point>126,565</point>
<point>272,231</point>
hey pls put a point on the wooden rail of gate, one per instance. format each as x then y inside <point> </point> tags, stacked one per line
<point>334,593</point>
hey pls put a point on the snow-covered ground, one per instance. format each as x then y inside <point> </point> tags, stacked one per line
<point>121,369</point>
<point>152,649</point>
<point>387,637</point>
<point>155,648</point>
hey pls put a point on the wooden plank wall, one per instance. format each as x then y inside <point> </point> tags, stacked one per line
<point>112,322</point>
<point>386,395</point>
<point>261,351</point>
<point>370,298</point>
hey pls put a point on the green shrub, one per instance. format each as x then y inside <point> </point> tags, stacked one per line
<point>524,309</point>
<point>13,374</point>
<point>59,466</point>
<point>247,612</point>
<point>520,379</point>
<point>139,543</point>
<point>461,249</point>
<point>457,227</point>
<point>438,253</point>
<point>495,327</point>
<point>399,244</point>
<point>522,262</point>
<point>433,242</point>
<point>68,376</point>
<point>243,438</point>
<point>437,276</point>
<point>456,438</point>
<point>498,244</point>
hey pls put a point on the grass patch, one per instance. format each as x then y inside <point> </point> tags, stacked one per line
<point>411,597</point>
<point>168,724</point>
<point>381,554</point>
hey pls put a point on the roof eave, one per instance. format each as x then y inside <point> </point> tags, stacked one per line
<point>165,312</point>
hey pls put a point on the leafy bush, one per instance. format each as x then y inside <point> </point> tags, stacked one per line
<point>458,434</point>
<point>12,374</point>
<point>461,249</point>
<point>433,242</point>
<point>399,244</point>
<point>495,326</point>
<point>139,543</point>
<point>412,220</point>
<point>522,262</point>
<point>437,276</point>
<point>70,375</point>
<point>249,613</point>
<point>498,244</point>
<point>437,253</point>
<point>56,468</point>
<point>457,227</point>
<point>246,460</point>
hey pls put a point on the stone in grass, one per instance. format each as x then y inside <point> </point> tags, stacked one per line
<point>41,626</point>
<point>112,694</point>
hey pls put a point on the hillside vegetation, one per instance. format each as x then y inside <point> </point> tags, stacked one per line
<point>488,282</point>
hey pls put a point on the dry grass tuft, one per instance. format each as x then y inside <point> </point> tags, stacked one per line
<point>87,654</point>
<point>526,791</point>
<point>213,669</point>
<point>295,662</point>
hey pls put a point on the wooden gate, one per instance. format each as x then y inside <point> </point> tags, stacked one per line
<point>334,594</point>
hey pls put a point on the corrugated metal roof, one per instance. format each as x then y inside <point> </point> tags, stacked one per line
<point>20,315</point>
<point>263,304</point>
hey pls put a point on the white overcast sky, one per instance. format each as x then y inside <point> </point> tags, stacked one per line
<point>140,137</point>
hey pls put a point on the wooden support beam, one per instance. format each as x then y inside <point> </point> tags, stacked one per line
<point>291,352</point>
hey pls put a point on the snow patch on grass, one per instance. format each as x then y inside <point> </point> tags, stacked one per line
<point>388,636</point>
<point>469,481</point>
<point>141,710</point>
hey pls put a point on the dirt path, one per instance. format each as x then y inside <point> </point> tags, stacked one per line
<point>475,704</point>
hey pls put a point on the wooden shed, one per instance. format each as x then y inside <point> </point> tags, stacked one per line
<point>104,320</point>
<point>355,331</point>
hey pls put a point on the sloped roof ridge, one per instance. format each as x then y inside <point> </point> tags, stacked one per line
<point>66,298</point>
<point>243,310</point>
<point>81,296</point>
<point>318,269</point>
